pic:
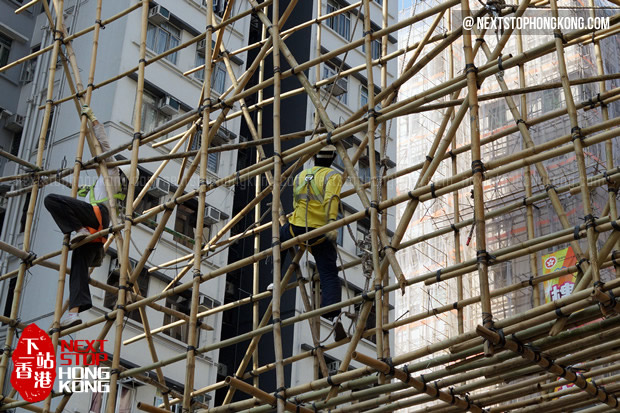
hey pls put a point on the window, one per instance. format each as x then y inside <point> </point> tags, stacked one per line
<point>364,170</point>
<point>185,224</point>
<point>159,400</point>
<point>109,300</point>
<point>340,238</point>
<point>28,68</point>
<point>338,163</point>
<point>96,403</point>
<point>5,49</point>
<point>150,200</point>
<point>219,7</point>
<point>152,117</point>
<point>375,45</point>
<point>363,96</point>
<point>550,100</point>
<point>181,304</point>
<point>340,90</point>
<point>341,23</point>
<point>362,241</point>
<point>370,321</point>
<point>200,60</point>
<point>218,77</point>
<point>162,37</point>
<point>497,117</point>
<point>213,158</point>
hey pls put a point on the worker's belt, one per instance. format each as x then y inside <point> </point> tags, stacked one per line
<point>97,211</point>
<point>316,242</point>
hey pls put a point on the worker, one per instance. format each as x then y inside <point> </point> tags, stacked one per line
<point>316,193</point>
<point>86,218</point>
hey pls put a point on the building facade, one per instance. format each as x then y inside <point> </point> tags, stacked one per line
<point>169,93</point>
<point>416,133</point>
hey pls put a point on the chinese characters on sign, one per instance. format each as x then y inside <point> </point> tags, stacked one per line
<point>35,364</point>
<point>563,285</point>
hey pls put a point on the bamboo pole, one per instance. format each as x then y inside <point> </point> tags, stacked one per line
<point>31,205</point>
<point>549,365</point>
<point>417,384</point>
<point>125,268</point>
<point>274,32</point>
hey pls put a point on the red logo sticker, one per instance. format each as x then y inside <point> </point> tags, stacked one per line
<point>550,262</point>
<point>34,365</point>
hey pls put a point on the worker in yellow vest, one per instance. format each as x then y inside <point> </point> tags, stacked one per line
<point>316,194</point>
<point>86,218</point>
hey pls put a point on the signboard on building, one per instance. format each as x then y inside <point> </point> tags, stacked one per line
<point>563,285</point>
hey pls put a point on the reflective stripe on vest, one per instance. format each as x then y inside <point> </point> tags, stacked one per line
<point>97,211</point>
<point>314,194</point>
<point>90,190</point>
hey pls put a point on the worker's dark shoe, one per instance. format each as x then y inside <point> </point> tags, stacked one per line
<point>80,235</point>
<point>339,333</point>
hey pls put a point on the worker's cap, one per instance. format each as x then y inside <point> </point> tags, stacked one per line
<point>327,152</point>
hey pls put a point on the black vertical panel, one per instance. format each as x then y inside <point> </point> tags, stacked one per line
<point>293,119</point>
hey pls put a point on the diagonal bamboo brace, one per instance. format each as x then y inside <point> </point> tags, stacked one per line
<point>262,396</point>
<point>417,384</point>
<point>549,365</point>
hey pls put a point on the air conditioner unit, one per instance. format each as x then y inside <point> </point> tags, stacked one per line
<point>222,369</point>
<point>333,367</point>
<point>212,215</point>
<point>201,46</point>
<point>339,87</point>
<point>169,105</point>
<point>3,201</point>
<point>159,14</point>
<point>224,134</point>
<point>15,123</point>
<point>159,188</point>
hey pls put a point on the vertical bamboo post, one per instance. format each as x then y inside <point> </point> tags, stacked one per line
<point>455,197</point>
<point>257,214</point>
<point>374,219</point>
<point>315,284</point>
<point>612,188</point>
<point>125,265</point>
<point>33,200</point>
<point>384,167</point>
<point>198,233</point>
<point>477,171</point>
<point>274,31</point>
<point>581,165</point>
<point>74,188</point>
<point>529,209</point>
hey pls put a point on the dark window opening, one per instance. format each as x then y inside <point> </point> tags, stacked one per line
<point>109,300</point>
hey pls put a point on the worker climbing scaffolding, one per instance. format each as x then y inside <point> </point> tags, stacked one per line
<point>316,193</point>
<point>86,218</point>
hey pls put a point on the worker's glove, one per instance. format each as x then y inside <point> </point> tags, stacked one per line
<point>86,110</point>
<point>332,235</point>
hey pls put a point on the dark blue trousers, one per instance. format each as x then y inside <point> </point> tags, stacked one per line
<point>325,256</point>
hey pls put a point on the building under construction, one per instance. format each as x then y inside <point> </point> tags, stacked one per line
<point>478,228</point>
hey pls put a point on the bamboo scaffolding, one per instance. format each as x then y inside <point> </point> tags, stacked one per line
<point>460,357</point>
<point>550,366</point>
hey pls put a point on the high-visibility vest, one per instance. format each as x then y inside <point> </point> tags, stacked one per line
<point>306,187</point>
<point>95,204</point>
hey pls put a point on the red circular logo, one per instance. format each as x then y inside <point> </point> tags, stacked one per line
<point>550,262</point>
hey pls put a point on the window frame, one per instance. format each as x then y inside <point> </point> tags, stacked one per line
<point>163,28</point>
<point>341,23</point>
<point>330,70</point>
<point>6,43</point>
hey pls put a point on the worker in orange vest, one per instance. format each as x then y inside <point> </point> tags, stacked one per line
<point>86,218</point>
